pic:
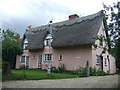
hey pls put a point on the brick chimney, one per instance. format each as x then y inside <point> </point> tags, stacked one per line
<point>73,16</point>
<point>29,27</point>
<point>18,37</point>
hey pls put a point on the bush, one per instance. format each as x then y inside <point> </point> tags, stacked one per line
<point>6,70</point>
<point>95,72</point>
<point>22,67</point>
<point>0,64</point>
<point>80,70</point>
<point>54,69</point>
<point>59,69</point>
<point>70,71</point>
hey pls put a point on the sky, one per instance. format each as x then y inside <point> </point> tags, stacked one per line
<point>19,14</point>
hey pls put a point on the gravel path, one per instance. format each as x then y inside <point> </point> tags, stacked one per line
<point>87,82</point>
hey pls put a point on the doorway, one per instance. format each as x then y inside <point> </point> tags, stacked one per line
<point>101,62</point>
<point>27,62</point>
<point>40,61</point>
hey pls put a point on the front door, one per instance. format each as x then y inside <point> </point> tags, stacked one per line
<point>40,61</point>
<point>27,62</point>
<point>101,62</point>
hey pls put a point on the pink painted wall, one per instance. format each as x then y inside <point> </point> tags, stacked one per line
<point>73,57</point>
<point>112,64</point>
<point>98,51</point>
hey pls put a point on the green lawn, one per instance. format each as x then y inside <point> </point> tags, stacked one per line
<point>36,75</point>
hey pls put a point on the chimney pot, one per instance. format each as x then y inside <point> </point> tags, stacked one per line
<point>29,27</point>
<point>73,16</point>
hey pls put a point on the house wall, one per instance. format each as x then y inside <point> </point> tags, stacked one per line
<point>110,66</point>
<point>73,57</point>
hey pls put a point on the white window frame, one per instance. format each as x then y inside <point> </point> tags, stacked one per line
<point>105,61</point>
<point>97,59</point>
<point>21,59</point>
<point>38,60</point>
<point>101,43</point>
<point>25,60</point>
<point>46,57</point>
<point>47,40</point>
<point>25,43</point>
<point>59,58</point>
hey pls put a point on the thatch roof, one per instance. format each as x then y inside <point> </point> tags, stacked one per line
<point>79,31</point>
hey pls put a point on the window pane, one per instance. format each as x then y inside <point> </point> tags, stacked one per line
<point>27,61</point>
<point>98,59</point>
<point>48,40</point>
<point>48,57</point>
<point>105,62</point>
<point>23,59</point>
<point>60,57</point>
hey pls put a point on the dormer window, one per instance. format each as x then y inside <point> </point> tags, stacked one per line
<point>25,43</point>
<point>48,40</point>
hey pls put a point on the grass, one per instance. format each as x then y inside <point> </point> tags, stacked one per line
<point>28,74</point>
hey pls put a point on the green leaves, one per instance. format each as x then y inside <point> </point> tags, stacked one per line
<point>113,30</point>
<point>113,14</point>
<point>9,35</point>
<point>10,47</point>
<point>95,46</point>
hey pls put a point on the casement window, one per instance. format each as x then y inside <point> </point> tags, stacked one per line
<point>26,60</point>
<point>34,56</point>
<point>48,57</point>
<point>60,57</point>
<point>22,59</point>
<point>105,61</point>
<point>101,43</point>
<point>98,59</point>
<point>48,40</point>
<point>25,43</point>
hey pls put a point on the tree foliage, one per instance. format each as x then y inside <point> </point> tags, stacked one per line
<point>112,15</point>
<point>10,47</point>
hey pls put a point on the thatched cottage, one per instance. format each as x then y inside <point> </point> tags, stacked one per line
<point>71,44</point>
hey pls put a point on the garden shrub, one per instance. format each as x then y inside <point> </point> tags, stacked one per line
<point>54,69</point>
<point>93,72</point>
<point>96,72</point>
<point>80,70</point>
<point>61,68</point>
<point>58,69</point>
<point>6,70</point>
<point>70,71</point>
<point>22,67</point>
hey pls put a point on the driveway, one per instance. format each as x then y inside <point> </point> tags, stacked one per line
<point>109,81</point>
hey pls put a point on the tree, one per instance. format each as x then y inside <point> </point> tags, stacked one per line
<point>10,47</point>
<point>112,15</point>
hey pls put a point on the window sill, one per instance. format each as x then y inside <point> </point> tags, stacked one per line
<point>47,61</point>
<point>22,62</point>
<point>60,60</point>
<point>98,64</point>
